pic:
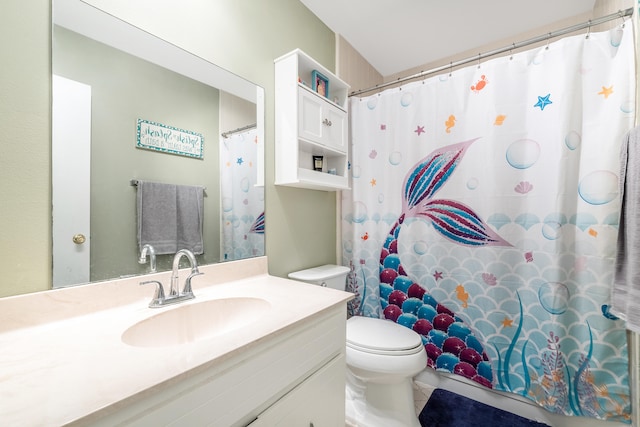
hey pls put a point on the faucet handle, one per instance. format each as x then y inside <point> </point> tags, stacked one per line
<point>158,296</point>
<point>187,290</point>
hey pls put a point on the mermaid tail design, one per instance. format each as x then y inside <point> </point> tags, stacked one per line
<point>258,225</point>
<point>449,342</point>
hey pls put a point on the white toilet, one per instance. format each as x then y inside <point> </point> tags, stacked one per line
<point>382,359</point>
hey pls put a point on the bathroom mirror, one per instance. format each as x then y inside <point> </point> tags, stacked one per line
<point>109,77</point>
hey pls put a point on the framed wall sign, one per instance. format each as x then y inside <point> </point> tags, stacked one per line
<point>168,139</point>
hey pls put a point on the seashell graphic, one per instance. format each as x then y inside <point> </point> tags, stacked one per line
<point>489,279</point>
<point>523,187</point>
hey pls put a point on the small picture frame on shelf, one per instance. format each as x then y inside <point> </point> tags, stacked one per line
<point>320,84</point>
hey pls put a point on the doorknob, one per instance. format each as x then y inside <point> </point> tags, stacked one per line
<point>79,239</point>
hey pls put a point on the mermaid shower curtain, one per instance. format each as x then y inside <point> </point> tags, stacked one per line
<point>483,215</point>
<point>242,201</point>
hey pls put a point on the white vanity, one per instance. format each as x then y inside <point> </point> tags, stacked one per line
<point>274,353</point>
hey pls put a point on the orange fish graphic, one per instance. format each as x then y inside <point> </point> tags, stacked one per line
<point>462,295</point>
<point>499,120</point>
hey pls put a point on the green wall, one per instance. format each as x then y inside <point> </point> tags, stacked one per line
<point>25,202</point>
<point>243,36</point>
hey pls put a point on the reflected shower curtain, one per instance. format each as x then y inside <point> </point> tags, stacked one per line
<point>241,200</point>
<point>483,215</point>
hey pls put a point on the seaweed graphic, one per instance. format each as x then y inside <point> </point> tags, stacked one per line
<point>353,306</point>
<point>507,357</point>
<point>553,380</point>
<point>527,377</point>
<point>584,391</point>
<point>564,392</point>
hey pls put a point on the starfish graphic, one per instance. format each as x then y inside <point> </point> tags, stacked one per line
<point>239,161</point>
<point>419,130</point>
<point>507,323</point>
<point>543,101</point>
<point>606,91</point>
<point>373,182</point>
<point>437,275</point>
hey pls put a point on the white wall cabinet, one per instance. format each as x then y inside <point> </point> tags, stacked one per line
<point>310,124</point>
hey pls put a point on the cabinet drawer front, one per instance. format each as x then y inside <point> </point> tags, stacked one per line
<point>318,401</point>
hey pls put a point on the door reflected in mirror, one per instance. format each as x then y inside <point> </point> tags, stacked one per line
<point>99,94</point>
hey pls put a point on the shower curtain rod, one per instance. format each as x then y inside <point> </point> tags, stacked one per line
<point>240,129</point>
<point>592,22</point>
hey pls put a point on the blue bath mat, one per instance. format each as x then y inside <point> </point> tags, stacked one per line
<point>447,409</point>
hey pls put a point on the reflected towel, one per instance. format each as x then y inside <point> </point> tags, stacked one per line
<point>170,217</point>
<point>626,287</point>
<point>189,207</point>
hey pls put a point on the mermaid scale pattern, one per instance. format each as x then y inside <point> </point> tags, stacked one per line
<point>450,344</point>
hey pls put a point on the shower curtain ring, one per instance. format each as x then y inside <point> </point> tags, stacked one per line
<point>450,68</point>
<point>511,51</point>
<point>621,14</point>
<point>479,60</point>
<point>589,30</point>
<point>548,41</point>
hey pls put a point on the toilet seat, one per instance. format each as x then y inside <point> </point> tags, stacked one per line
<point>383,337</point>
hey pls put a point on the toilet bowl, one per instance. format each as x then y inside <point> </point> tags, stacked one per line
<point>382,358</point>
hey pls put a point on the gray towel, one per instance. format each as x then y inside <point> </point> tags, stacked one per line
<point>170,217</point>
<point>626,287</point>
<point>189,208</point>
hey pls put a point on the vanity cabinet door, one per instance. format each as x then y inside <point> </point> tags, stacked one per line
<point>316,402</point>
<point>320,121</point>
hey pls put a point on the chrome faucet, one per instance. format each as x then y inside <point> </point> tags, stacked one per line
<point>152,257</point>
<point>175,295</point>
<point>175,291</point>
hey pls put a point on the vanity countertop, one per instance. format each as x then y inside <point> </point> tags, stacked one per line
<point>63,359</point>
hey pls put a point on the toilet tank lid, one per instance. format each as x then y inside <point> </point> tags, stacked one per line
<point>323,272</point>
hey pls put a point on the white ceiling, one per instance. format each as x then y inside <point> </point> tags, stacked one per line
<point>396,35</point>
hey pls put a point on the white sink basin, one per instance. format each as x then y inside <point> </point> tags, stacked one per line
<point>194,322</point>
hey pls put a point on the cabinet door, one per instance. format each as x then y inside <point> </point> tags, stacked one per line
<point>321,122</point>
<point>334,126</point>
<point>310,111</point>
<point>317,402</point>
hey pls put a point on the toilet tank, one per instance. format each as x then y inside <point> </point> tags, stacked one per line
<point>331,276</point>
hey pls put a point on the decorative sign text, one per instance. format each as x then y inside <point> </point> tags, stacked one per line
<point>159,137</point>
